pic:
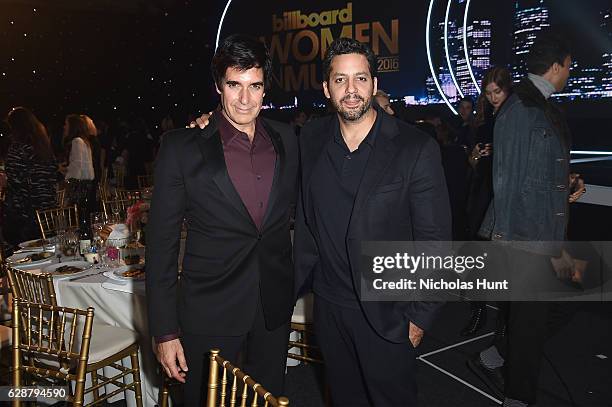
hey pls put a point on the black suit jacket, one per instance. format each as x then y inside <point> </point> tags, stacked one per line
<point>402,197</point>
<point>228,262</point>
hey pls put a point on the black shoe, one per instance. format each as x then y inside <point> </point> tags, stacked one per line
<point>493,378</point>
<point>477,321</point>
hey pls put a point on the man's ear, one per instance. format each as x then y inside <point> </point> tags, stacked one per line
<point>326,90</point>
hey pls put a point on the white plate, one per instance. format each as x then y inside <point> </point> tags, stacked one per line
<point>85,266</point>
<point>37,246</point>
<point>118,273</point>
<point>17,259</point>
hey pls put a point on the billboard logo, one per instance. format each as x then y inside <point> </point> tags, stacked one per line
<point>295,20</point>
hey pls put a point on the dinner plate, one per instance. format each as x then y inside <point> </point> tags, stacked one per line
<point>82,265</point>
<point>120,273</point>
<point>37,244</point>
<point>25,259</point>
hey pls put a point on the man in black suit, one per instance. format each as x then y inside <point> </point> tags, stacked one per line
<point>233,184</point>
<point>365,176</point>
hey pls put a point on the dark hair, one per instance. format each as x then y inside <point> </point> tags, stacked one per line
<point>467,99</point>
<point>498,75</point>
<point>241,52</point>
<point>27,129</point>
<point>342,46</point>
<point>77,127</point>
<point>549,47</point>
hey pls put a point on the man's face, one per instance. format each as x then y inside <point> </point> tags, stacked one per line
<point>242,94</point>
<point>465,110</point>
<point>350,87</point>
<point>385,104</point>
<point>562,73</point>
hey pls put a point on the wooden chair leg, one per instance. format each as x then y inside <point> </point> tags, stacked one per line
<point>164,391</point>
<point>94,383</point>
<point>136,377</point>
<point>305,341</point>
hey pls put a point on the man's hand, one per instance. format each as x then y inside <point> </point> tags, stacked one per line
<point>201,121</point>
<point>577,188</point>
<point>415,334</point>
<point>168,353</point>
<point>563,265</point>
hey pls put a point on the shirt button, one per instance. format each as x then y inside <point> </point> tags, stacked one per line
<point>560,213</point>
<point>348,157</point>
<point>561,187</point>
<point>261,204</point>
<point>259,178</point>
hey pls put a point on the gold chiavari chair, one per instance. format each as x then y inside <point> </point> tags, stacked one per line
<point>5,286</point>
<point>132,195</point>
<point>5,331</point>
<point>51,221</point>
<point>117,207</point>
<point>64,345</point>
<point>301,328</point>
<point>145,181</point>
<point>61,195</point>
<point>218,394</point>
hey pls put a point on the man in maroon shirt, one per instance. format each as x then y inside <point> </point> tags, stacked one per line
<point>233,183</point>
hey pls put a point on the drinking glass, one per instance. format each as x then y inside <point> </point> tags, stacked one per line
<point>72,242</point>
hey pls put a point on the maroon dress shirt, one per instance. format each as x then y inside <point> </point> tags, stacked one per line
<point>251,169</point>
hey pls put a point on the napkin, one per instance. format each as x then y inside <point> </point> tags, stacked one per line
<point>120,231</point>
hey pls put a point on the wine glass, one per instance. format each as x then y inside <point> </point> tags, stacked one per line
<point>59,245</point>
<point>116,209</point>
<point>72,242</point>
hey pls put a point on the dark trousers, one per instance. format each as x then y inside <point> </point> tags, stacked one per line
<point>529,325</point>
<point>262,352</point>
<point>362,368</point>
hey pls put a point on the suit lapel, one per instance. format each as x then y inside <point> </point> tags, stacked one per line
<point>211,148</point>
<point>379,161</point>
<point>279,169</point>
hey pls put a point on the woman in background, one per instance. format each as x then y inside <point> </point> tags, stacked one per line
<point>79,170</point>
<point>496,87</point>
<point>31,172</point>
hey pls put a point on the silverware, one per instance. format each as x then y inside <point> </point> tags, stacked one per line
<point>86,275</point>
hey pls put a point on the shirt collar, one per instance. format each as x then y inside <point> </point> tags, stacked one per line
<point>545,87</point>
<point>370,139</point>
<point>229,132</point>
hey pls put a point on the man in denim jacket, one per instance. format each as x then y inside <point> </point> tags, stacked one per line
<point>530,208</point>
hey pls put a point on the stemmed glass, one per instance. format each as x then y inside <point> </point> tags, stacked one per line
<point>59,245</point>
<point>72,242</point>
<point>60,238</point>
<point>116,209</point>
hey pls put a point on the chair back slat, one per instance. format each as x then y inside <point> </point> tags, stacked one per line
<point>216,389</point>
<point>116,207</point>
<point>51,221</point>
<point>32,287</point>
<point>61,195</point>
<point>39,352</point>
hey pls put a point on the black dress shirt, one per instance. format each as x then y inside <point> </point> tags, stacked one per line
<point>335,182</point>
